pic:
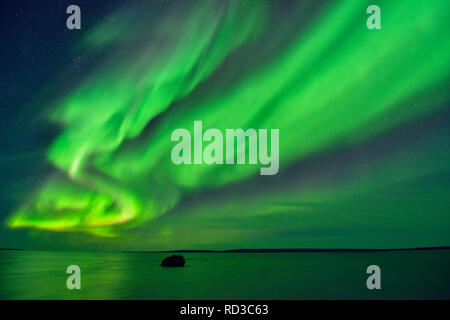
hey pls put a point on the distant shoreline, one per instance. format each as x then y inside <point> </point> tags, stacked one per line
<point>292,250</point>
<point>280,250</point>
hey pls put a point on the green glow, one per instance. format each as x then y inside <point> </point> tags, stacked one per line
<point>334,84</point>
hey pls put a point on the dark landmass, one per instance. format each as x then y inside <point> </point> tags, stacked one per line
<point>11,249</point>
<point>175,260</point>
<point>292,250</point>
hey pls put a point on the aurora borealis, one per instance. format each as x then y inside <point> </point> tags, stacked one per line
<point>363,117</point>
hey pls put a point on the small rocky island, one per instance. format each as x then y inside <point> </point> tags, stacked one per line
<point>173,261</point>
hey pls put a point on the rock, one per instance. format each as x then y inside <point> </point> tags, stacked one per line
<point>173,261</point>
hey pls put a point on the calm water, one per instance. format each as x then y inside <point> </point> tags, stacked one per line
<point>317,275</point>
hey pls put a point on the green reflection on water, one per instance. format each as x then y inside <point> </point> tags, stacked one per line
<point>305,275</point>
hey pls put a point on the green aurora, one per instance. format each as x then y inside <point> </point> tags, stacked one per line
<point>362,161</point>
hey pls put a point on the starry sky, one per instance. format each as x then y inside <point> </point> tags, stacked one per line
<point>87,115</point>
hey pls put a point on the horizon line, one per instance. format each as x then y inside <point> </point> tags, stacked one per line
<point>250,250</point>
<point>256,250</point>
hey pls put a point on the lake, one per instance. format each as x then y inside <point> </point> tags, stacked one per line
<point>417,274</point>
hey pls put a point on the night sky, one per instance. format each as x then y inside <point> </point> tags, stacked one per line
<point>86,118</point>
